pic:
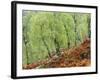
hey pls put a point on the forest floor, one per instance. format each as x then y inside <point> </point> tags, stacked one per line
<point>78,56</point>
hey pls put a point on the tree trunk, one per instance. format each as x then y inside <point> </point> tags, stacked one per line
<point>42,37</point>
<point>46,47</point>
<point>67,36</point>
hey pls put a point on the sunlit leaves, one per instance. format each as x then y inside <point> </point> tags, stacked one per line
<point>41,29</point>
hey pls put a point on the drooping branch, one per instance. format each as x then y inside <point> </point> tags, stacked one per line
<point>43,39</point>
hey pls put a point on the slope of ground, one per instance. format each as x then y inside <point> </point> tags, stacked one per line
<point>74,57</point>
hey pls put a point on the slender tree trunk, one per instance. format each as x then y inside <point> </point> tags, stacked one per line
<point>89,28</point>
<point>75,29</point>
<point>67,36</point>
<point>27,56</point>
<point>57,46</point>
<point>46,47</point>
<point>56,42</point>
<point>77,38</point>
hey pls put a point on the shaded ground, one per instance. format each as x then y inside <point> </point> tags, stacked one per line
<point>74,57</point>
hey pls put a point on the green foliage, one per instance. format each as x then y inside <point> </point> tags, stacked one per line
<point>48,32</point>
